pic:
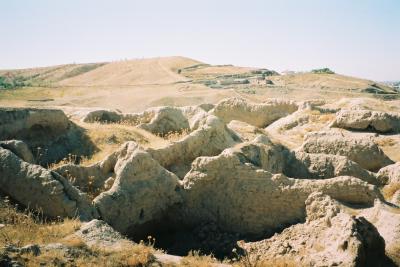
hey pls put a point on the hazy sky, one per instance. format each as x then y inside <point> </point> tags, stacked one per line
<point>353,37</point>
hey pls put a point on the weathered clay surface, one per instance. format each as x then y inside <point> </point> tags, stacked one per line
<point>387,220</point>
<point>166,120</point>
<point>142,192</point>
<point>318,166</point>
<point>360,149</point>
<point>245,131</point>
<point>96,175</point>
<point>239,178</point>
<point>99,234</point>
<point>23,122</point>
<point>329,237</point>
<point>390,174</point>
<point>103,115</point>
<point>262,153</point>
<point>49,134</point>
<point>208,140</point>
<point>39,188</point>
<point>213,183</point>
<point>20,149</point>
<point>260,115</point>
<point>158,120</point>
<point>367,120</point>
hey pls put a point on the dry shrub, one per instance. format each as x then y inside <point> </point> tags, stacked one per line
<point>73,241</point>
<point>174,136</point>
<point>131,256</point>
<point>22,228</point>
<point>109,137</point>
<point>394,253</point>
<point>70,159</point>
<point>279,262</point>
<point>196,260</point>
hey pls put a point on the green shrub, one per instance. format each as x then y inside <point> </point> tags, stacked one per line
<point>323,71</point>
<point>9,82</point>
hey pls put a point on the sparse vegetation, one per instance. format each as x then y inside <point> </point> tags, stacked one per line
<point>109,137</point>
<point>265,72</point>
<point>175,136</point>
<point>195,259</point>
<point>25,227</point>
<point>22,227</point>
<point>9,81</point>
<point>80,70</point>
<point>323,71</point>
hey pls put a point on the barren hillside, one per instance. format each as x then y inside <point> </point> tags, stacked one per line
<point>330,82</point>
<point>134,72</point>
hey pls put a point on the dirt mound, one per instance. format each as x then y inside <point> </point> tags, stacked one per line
<point>134,72</point>
<point>233,193</point>
<point>142,192</point>
<point>329,237</point>
<point>360,149</point>
<point>367,120</point>
<point>320,166</point>
<point>209,139</point>
<point>158,120</point>
<point>328,82</point>
<point>26,123</point>
<point>19,148</point>
<point>215,184</point>
<point>41,189</point>
<point>260,115</point>
<point>102,115</point>
<point>387,220</point>
<point>49,134</point>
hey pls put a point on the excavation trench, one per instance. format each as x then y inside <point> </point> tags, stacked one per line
<point>208,238</point>
<point>180,240</point>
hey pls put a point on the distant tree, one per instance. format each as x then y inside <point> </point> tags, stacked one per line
<point>323,71</point>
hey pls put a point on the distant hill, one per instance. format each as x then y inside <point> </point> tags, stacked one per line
<point>45,76</point>
<point>134,72</point>
<point>133,85</point>
<point>323,81</point>
<point>169,70</point>
<point>393,84</point>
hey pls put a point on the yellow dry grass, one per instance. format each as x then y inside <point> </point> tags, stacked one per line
<point>394,253</point>
<point>390,146</point>
<point>130,256</point>
<point>195,259</point>
<point>176,136</point>
<point>389,190</point>
<point>22,228</point>
<point>109,137</point>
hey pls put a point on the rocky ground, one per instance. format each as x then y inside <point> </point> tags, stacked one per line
<point>272,183</point>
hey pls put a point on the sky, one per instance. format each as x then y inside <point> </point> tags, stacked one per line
<point>353,37</point>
